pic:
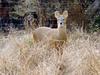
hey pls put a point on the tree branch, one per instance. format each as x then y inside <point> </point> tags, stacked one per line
<point>92,9</point>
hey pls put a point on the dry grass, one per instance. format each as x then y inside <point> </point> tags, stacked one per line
<point>20,56</point>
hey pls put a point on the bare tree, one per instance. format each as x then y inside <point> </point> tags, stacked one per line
<point>93,8</point>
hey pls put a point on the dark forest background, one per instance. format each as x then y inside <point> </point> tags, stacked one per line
<point>82,13</point>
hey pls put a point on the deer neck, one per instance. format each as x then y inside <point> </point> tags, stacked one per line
<point>62,32</point>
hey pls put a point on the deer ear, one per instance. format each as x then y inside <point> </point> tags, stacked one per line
<point>65,13</point>
<point>57,14</point>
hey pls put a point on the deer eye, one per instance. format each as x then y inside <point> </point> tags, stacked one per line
<point>62,19</point>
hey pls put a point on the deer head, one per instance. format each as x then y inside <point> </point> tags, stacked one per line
<point>61,18</point>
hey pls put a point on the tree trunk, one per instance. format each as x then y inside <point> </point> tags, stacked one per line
<point>92,9</point>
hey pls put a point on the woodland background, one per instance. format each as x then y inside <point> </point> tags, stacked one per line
<point>82,13</point>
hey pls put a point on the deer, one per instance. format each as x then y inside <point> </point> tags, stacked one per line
<point>59,33</point>
<point>56,36</point>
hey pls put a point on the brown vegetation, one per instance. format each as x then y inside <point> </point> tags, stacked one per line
<point>20,56</point>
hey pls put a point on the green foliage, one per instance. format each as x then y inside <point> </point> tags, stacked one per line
<point>97,21</point>
<point>96,25</point>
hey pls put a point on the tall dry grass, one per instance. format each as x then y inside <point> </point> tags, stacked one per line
<point>20,56</point>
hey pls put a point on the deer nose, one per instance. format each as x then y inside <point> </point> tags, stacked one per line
<point>61,23</point>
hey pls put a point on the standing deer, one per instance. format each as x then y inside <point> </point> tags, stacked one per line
<point>56,34</point>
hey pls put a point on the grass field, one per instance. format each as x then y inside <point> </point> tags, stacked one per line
<point>19,55</point>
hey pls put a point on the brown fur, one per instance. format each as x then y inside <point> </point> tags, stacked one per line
<point>56,36</point>
<point>45,33</point>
